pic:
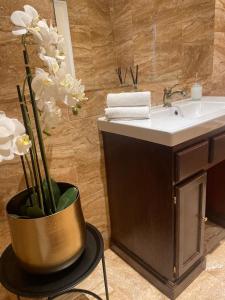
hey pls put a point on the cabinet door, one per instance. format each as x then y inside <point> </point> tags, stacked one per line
<point>190,214</point>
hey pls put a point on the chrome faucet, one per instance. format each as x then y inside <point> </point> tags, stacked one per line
<point>168,93</point>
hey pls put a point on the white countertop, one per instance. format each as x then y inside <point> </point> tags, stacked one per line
<point>164,127</point>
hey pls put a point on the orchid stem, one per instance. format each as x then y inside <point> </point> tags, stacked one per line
<point>39,135</point>
<point>31,175</point>
<point>34,148</point>
<point>26,178</point>
<point>33,153</point>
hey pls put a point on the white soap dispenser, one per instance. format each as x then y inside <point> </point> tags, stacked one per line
<point>196,90</point>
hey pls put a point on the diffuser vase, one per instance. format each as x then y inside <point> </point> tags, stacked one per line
<point>50,243</point>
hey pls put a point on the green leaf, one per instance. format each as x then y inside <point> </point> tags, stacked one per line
<point>55,190</point>
<point>67,198</point>
<point>31,211</point>
<point>35,212</point>
<point>23,210</point>
<point>34,200</point>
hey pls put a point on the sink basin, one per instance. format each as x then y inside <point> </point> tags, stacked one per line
<point>170,126</point>
<point>198,109</point>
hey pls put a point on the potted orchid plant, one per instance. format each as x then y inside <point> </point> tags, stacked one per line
<point>46,221</point>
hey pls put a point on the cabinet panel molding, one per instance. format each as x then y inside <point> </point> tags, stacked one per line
<point>190,212</point>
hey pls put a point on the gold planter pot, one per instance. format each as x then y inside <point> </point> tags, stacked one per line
<point>47,244</point>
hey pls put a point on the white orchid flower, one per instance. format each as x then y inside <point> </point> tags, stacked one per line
<point>51,43</point>
<point>21,144</point>
<point>60,51</point>
<point>43,85</point>
<point>52,115</point>
<point>76,95</point>
<point>10,129</point>
<point>50,62</point>
<point>26,21</point>
<point>67,83</point>
<point>31,11</point>
<point>70,90</point>
<point>48,86</point>
<point>49,33</point>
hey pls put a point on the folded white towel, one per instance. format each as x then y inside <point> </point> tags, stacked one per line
<point>129,99</point>
<point>127,113</point>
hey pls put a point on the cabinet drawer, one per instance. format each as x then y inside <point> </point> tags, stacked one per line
<point>217,153</point>
<point>191,160</point>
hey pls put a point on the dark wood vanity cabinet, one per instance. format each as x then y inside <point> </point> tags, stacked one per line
<point>157,202</point>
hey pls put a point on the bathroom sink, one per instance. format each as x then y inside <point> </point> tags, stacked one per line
<point>199,109</point>
<point>170,126</point>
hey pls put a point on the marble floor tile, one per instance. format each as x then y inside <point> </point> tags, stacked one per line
<point>205,287</point>
<point>212,233</point>
<point>126,284</point>
<point>216,263</point>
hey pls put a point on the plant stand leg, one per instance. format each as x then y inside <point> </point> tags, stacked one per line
<point>105,277</point>
<point>81,291</point>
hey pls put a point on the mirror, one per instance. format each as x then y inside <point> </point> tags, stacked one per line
<point>62,20</point>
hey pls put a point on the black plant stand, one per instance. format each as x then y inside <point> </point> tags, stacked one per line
<point>24,284</point>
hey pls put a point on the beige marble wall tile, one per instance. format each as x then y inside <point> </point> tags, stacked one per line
<point>92,39</point>
<point>219,16</point>
<point>143,38</point>
<point>12,181</point>
<point>197,59</point>
<point>170,40</point>
<point>121,15</point>
<point>144,50</point>
<point>102,41</point>
<point>83,54</point>
<point>167,57</point>
<point>142,14</point>
<point>198,30</point>
<point>122,20</point>
<point>164,5</point>
<point>77,13</point>
<point>81,41</point>
<point>124,54</point>
<point>219,54</point>
<point>218,76</point>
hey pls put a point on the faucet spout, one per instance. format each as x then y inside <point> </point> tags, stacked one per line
<point>179,92</point>
<point>168,93</point>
